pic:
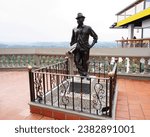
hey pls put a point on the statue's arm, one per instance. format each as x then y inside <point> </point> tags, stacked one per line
<point>95,37</point>
<point>73,41</point>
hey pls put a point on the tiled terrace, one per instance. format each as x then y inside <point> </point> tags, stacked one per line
<point>14,96</point>
<point>133,98</point>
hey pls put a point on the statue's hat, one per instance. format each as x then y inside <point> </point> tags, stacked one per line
<point>80,15</point>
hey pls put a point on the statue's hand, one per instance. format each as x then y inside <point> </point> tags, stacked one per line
<point>90,46</point>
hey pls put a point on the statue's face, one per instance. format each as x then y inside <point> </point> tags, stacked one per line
<point>80,21</point>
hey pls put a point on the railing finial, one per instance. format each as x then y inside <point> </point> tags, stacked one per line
<point>29,67</point>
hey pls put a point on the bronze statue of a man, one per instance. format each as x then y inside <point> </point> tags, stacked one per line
<point>80,37</point>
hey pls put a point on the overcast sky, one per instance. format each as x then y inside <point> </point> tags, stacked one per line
<point>53,20</point>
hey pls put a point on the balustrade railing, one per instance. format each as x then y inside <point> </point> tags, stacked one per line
<point>128,65</point>
<point>90,95</point>
<point>134,43</point>
<point>23,60</point>
<point>100,66</point>
<point>130,61</point>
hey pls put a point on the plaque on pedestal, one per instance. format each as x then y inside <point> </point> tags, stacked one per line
<point>82,85</point>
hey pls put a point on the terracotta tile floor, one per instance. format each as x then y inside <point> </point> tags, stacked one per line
<point>133,98</point>
<point>14,96</point>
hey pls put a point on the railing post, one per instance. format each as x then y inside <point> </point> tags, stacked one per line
<point>70,63</point>
<point>67,65</point>
<point>112,77</point>
<point>44,85</point>
<point>110,96</point>
<point>31,84</point>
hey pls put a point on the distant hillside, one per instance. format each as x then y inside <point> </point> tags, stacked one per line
<point>3,45</point>
<point>51,45</point>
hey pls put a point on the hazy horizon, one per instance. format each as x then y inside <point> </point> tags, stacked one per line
<point>52,45</point>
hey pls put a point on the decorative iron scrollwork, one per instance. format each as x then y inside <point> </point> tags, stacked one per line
<point>53,80</point>
<point>38,86</point>
<point>64,91</point>
<point>99,96</point>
